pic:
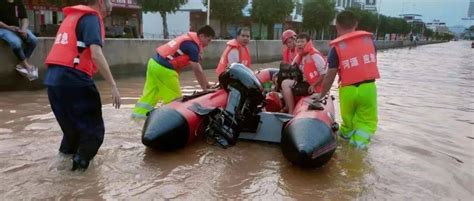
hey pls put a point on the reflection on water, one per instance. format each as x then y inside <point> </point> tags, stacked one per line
<point>423,149</point>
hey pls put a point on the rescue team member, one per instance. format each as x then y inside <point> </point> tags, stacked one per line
<point>353,57</point>
<point>162,79</point>
<point>313,66</point>
<point>236,51</point>
<point>288,38</point>
<point>75,57</point>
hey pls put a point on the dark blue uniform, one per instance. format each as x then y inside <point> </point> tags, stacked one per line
<point>189,48</point>
<point>76,102</point>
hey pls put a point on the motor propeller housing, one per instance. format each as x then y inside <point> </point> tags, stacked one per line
<point>246,94</point>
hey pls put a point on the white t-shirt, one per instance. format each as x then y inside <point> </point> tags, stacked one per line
<point>233,56</point>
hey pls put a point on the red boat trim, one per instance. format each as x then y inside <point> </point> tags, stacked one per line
<point>324,150</point>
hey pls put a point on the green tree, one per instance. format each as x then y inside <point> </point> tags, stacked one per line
<point>428,33</point>
<point>367,19</point>
<point>163,7</point>
<point>382,25</point>
<point>445,36</point>
<point>393,25</point>
<point>226,11</point>
<point>449,36</point>
<point>436,35</point>
<point>416,27</point>
<point>318,14</point>
<point>270,12</point>
<point>397,25</point>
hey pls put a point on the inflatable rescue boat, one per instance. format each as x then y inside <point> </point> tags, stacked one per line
<point>241,108</point>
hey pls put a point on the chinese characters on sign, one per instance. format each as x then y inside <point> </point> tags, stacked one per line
<point>125,3</point>
<point>40,5</point>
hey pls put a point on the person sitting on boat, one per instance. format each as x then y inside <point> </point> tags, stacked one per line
<point>289,53</point>
<point>236,51</point>
<point>162,78</point>
<point>312,65</point>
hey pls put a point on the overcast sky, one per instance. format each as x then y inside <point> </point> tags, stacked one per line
<point>449,11</point>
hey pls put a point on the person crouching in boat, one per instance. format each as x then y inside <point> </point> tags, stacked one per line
<point>312,65</point>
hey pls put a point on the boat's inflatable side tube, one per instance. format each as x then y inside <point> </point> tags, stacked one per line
<point>308,142</point>
<point>166,129</point>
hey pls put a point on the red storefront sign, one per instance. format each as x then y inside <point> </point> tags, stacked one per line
<point>40,5</point>
<point>126,4</point>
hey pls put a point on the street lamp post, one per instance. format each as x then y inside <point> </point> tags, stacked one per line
<point>208,11</point>
<point>378,21</point>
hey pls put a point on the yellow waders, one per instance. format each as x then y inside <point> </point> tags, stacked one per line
<point>359,113</point>
<point>161,84</point>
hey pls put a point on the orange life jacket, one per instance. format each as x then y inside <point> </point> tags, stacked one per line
<point>244,56</point>
<point>65,51</point>
<point>175,56</point>
<point>357,57</point>
<point>288,54</point>
<point>308,66</point>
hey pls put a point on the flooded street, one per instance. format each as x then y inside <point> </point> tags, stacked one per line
<point>423,148</point>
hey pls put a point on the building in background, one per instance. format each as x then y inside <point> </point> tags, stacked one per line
<point>370,5</point>
<point>125,20</point>
<point>417,26</point>
<point>412,18</point>
<point>343,4</point>
<point>193,15</point>
<point>44,18</point>
<point>190,17</point>
<point>437,26</point>
<point>469,31</point>
<point>294,21</point>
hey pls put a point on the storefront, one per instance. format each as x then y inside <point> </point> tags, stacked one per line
<point>125,20</point>
<point>44,17</point>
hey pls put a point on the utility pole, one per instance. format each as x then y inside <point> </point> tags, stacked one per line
<point>378,21</point>
<point>208,11</point>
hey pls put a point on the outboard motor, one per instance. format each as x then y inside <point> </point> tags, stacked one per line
<point>245,96</point>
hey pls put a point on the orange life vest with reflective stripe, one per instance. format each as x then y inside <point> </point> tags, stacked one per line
<point>357,57</point>
<point>65,51</point>
<point>289,54</point>
<point>307,65</point>
<point>174,55</point>
<point>244,56</point>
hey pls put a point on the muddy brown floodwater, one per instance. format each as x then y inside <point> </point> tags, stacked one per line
<point>423,149</point>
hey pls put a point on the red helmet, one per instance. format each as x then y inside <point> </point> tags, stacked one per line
<point>287,34</point>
